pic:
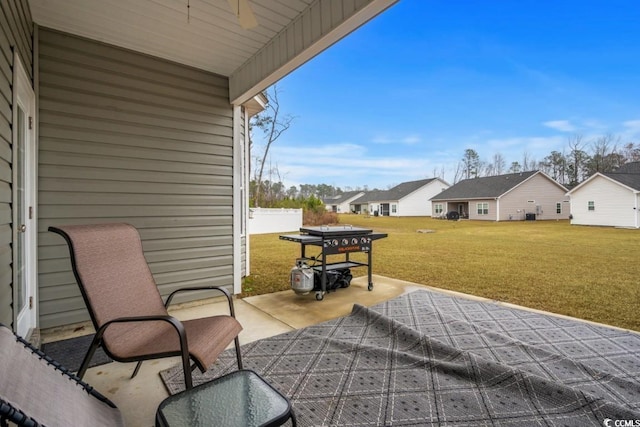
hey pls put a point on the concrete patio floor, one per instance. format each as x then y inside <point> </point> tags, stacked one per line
<point>262,316</point>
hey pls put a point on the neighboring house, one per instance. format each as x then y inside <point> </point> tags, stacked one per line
<point>366,204</point>
<point>341,202</point>
<point>142,117</point>
<point>608,199</point>
<point>406,199</point>
<point>517,196</point>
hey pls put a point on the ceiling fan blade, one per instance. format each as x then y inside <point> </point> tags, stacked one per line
<point>243,11</point>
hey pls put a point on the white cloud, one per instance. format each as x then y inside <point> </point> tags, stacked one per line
<point>633,125</point>
<point>407,140</point>
<point>537,147</point>
<point>346,165</point>
<point>630,131</point>
<point>313,152</point>
<point>561,125</point>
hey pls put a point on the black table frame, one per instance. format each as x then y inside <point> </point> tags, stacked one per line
<point>356,242</point>
<point>289,414</point>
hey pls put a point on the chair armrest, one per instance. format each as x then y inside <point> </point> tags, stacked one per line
<point>177,325</point>
<point>203,288</point>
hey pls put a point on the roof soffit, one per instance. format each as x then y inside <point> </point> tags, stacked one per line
<point>205,34</point>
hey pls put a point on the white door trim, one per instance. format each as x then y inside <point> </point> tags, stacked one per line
<point>24,98</point>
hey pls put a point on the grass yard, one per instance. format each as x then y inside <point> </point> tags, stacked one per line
<point>588,272</point>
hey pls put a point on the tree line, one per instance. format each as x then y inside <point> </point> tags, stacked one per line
<point>578,160</point>
<point>274,194</point>
<point>266,187</point>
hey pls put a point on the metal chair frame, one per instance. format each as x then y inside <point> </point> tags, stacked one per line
<point>177,326</point>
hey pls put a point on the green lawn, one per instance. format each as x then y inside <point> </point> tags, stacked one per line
<point>587,272</point>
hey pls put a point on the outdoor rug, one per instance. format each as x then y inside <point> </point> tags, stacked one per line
<point>70,352</point>
<point>427,358</point>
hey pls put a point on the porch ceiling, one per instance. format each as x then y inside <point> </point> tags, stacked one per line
<point>207,34</point>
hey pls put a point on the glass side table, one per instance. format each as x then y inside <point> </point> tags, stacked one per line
<point>242,398</point>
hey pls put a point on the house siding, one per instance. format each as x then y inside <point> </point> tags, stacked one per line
<point>544,193</point>
<point>417,203</point>
<point>347,205</point>
<point>125,137</point>
<point>614,204</point>
<point>16,33</point>
<point>473,209</point>
<point>342,207</point>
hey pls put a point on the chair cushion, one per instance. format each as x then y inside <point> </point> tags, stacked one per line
<point>207,338</point>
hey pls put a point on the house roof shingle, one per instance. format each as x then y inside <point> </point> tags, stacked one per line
<point>370,196</point>
<point>631,180</point>
<point>340,198</point>
<point>394,194</point>
<point>483,188</point>
<point>631,167</point>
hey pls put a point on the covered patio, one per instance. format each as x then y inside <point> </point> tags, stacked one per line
<point>261,316</point>
<point>277,316</point>
<point>138,112</point>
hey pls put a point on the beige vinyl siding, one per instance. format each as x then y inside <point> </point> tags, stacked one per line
<point>473,210</point>
<point>536,191</point>
<point>16,32</point>
<point>125,137</point>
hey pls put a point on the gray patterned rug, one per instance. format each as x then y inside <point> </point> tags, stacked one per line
<point>427,359</point>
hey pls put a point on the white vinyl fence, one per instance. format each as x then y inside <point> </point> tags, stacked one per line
<point>265,220</point>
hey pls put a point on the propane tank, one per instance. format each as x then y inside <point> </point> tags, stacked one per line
<point>301,277</point>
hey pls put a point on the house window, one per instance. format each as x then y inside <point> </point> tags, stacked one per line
<point>558,208</point>
<point>394,209</point>
<point>483,208</point>
<point>591,205</point>
<point>438,208</point>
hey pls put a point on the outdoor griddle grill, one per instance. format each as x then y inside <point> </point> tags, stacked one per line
<point>336,240</point>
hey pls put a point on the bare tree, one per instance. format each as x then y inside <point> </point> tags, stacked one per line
<point>496,166</point>
<point>499,164</point>
<point>272,123</point>
<point>556,166</point>
<point>605,157</point>
<point>471,163</point>
<point>528,162</point>
<point>576,160</point>
<point>631,152</point>
<point>458,173</point>
<point>515,167</point>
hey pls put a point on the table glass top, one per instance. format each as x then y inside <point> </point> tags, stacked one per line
<point>241,398</point>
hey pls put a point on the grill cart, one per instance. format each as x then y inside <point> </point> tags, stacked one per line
<point>333,240</point>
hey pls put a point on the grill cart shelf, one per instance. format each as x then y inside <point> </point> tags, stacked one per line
<point>336,240</point>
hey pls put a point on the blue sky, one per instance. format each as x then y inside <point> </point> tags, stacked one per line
<point>407,93</point>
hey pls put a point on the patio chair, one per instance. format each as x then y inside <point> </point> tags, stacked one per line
<point>127,311</point>
<point>35,390</point>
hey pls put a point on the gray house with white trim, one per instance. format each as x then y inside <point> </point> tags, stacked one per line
<point>137,111</point>
<point>516,196</point>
